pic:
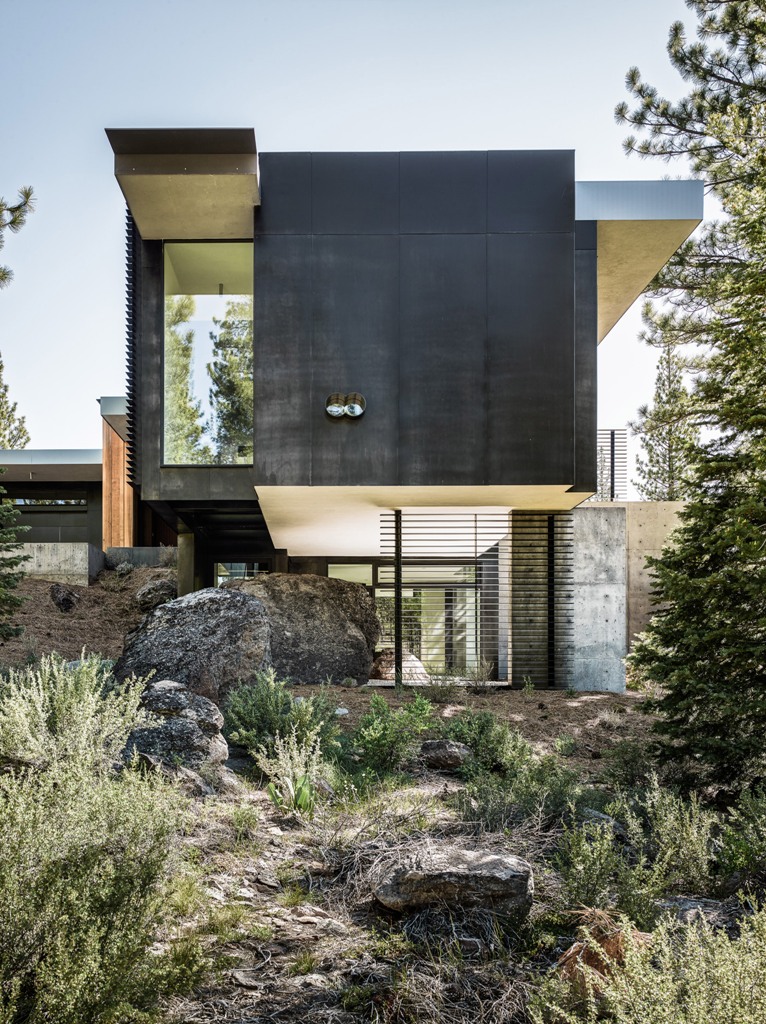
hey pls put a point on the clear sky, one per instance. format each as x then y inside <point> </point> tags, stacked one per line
<point>307,75</point>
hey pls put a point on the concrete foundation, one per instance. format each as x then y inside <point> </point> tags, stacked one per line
<point>600,597</point>
<point>73,563</point>
<point>138,556</point>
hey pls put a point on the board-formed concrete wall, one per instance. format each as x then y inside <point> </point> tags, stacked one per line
<point>649,524</point>
<point>71,562</point>
<point>600,597</point>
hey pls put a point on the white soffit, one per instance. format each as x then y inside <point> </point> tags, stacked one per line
<point>195,183</point>
<point>344,522</point>
<point>640,226</point>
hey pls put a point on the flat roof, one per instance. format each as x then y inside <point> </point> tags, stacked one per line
<point>50,465</point>
<point>114,409</point>
<point>127,141</point>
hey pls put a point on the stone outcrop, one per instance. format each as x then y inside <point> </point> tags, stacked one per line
<point>445,754</point>
<point>210,641</point>
<point>185,728</point>
<point>413,670</point>
<point>154,593</point>
<point>320,628</point>
<point>452,876</point>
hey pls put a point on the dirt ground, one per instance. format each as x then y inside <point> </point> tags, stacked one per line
<point>105,612</point>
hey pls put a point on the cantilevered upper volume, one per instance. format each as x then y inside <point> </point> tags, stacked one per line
<point>180,183</point>
<point>640,224</point>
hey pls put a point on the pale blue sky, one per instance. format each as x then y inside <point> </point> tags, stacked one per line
<point>307,75</point>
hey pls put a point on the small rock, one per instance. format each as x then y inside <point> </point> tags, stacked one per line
<point>716,913</point>
<point>341,712</point>
<point>445,754</point>
<point>247,978</point>
<point>65,599</point>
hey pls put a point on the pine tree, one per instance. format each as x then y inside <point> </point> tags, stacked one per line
<point>13,428</point>
<point>707,644</point>
<point>231,383</point>
<point>184,429</point>
<point>667,429</point>
<point>12,218</point>
<point>11,560</point>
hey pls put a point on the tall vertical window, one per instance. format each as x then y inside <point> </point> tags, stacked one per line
<point>208,385</point>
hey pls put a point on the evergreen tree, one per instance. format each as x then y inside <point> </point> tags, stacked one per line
<point>13,428</point>
<point>231,383</point>
<point>11,560</point>
<point>184,430</point>
<point>667,429</point>
<point>707,644</point>
<point>12,218</point>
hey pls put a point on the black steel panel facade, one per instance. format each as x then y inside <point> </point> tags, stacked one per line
<point>530,358</point>
<point>528,190</point>
<point>439,285</point>
<point>442,407</point>
<point>354,193</point>
<point>443,193</point>
<point>586,358</point>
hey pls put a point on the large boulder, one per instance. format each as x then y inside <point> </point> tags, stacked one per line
<point>452,876</point>
<point>445,754</point>
<point>210,641</point>
<point>320,628</point>
<point>184,728</point>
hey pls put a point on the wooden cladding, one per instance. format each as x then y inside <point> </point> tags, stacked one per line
<point>118,501</point>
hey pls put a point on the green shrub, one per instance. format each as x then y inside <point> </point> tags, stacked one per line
<point>743,838</point>
<point>689,978</point>
<point>54,713</point>
<point>84,875</point>
<point>496,747</point>
<point>256,713</point>
<point>588,864</point>
<point>625,764</point>
<point>677,836</point>
<point>543,788</point>
<point>384,738</point>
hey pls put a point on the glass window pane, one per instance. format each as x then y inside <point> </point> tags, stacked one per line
<point>457,574</point>
<point>351,572</point>
<point>208,410</point>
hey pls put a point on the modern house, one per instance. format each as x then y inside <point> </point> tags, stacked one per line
<point>380,367</point>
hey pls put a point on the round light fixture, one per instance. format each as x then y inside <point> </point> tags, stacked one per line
<point>335,405</point>
<point>355,404</point>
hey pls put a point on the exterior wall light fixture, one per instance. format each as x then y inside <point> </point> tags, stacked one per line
<point>352,405</point>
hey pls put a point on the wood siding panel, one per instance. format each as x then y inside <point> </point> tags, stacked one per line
<point>118,494</point>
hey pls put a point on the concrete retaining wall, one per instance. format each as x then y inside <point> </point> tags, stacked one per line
<point>600,596</point>
<point>72,562</point>
<point>138,556</point>
<point>649,524</point>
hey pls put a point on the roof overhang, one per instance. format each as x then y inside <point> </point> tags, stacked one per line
<point>188,183</point>
<point>46,465</point>
<point>640,224</point>
<point>114,410</point>
<point>344,522</point>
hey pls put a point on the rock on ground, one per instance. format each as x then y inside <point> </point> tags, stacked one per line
<point>445,754</point>
<point>186,729</point>
<point>154,593</point>
<point>65,599</point>
<point>413,670</point>
<point>320,628</point>
<point>210,641</point>
<point>454,876</point>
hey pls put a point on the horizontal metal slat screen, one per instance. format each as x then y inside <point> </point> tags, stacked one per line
<point>482,594</point>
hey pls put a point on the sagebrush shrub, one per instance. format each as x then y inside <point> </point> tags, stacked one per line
<point>697,976</point>
<point>385,738</point>
<point>55,712</point>
<point>84,868</point>
<point>294,768</point>
<point>496,747</point>
<point>743,838</point>
<point>257,713</point>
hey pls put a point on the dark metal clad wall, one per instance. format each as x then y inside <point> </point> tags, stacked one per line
<point>441,286</point>
<point>586,345</point>
<point>132,325</point>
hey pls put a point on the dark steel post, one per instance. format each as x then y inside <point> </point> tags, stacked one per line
<point>551,600</point>
<point>398,652</point>
<point>611,465</point>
